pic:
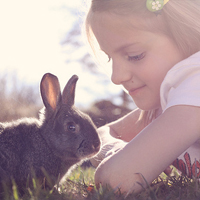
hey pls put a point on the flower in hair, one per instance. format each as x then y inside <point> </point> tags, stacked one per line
<point>156,5</point>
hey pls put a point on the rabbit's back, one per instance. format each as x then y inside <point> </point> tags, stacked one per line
<point>16,136</point>
<point>21,149</point>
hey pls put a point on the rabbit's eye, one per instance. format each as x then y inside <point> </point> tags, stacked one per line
<point>71,127</point>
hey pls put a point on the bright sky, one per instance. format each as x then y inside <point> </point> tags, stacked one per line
<point>31,32</point>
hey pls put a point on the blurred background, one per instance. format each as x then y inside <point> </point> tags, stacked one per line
<point>40,36</point>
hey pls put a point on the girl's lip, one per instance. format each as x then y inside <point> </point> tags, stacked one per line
<point>135,91</point>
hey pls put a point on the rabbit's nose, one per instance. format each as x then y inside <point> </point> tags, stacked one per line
<point>96,146</point>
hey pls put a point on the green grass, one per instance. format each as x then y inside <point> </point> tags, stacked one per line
<point>80,186</point>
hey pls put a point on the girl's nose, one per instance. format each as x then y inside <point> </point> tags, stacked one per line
<point>120,74</point>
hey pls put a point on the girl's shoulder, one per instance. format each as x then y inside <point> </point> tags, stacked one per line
<point>181,85</point>
<point>189,64</point>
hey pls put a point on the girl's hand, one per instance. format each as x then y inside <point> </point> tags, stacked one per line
<point>107,149</point>
<point>114,135</point>
<point>116,146</point>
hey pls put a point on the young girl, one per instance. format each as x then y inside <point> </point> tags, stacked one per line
<point>155,57</point>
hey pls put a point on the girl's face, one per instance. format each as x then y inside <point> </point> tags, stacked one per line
<point>140,59</point>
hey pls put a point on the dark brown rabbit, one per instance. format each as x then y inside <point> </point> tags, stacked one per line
<point>61,137</point>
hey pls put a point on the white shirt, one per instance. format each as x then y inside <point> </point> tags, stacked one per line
<point>181,86</point>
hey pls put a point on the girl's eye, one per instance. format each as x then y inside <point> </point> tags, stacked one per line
<point>137,57</point>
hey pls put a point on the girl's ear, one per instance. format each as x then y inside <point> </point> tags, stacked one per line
<point>50,91</point>
<point>69,91</point>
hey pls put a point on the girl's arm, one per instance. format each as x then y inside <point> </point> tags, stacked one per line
<point>116,134</point>
<point>127,127</point>
<point>152,150</point>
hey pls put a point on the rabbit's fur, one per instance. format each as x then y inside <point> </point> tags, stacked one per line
<point>62,137</point>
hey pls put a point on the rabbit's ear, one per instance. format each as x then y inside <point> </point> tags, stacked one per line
<point>69,91</point>
<point>50,91</point>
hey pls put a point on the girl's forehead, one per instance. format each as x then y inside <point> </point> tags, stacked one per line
<point>115,29</point>
<point>115,20</point>
<point>105,25</point>
<point>106,20</point>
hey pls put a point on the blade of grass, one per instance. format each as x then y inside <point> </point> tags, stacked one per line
<point>152,193</point>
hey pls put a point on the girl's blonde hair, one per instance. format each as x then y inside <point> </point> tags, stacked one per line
<point>179,19</point>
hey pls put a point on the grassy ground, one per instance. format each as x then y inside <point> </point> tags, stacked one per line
<point>80,186</point>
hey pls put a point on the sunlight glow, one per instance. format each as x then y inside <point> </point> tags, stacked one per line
<point>29,35</point>
<point>31,32</point>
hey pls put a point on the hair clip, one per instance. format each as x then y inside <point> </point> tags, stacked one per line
<point>155,5</point>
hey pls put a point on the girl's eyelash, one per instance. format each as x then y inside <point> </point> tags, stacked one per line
<point>131,58</point>
<point>137,57</point>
